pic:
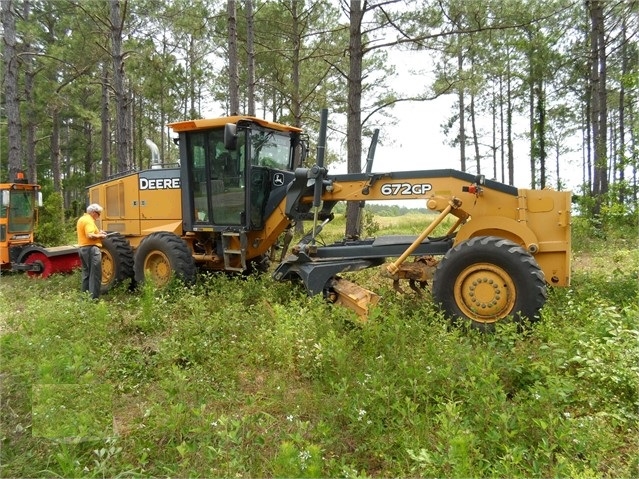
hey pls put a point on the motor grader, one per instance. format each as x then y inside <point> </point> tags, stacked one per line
<point>19,203</point>
<point>239,188</point>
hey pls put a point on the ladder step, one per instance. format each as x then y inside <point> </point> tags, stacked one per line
<point>231,268</point>
<point>234,254</point>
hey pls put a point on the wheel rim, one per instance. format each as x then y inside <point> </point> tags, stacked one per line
<point>485,292</point>
<point>108,267</point>
<point>159,267</point>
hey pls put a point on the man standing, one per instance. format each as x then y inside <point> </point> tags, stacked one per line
<point>89,236</point>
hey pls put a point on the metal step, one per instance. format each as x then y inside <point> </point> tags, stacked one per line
<point>231,255</point>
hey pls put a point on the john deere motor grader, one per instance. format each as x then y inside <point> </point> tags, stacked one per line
<point>19,202</point>
<point>238,188</point>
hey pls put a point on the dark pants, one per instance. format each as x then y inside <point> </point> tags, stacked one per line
<point>91,258</point>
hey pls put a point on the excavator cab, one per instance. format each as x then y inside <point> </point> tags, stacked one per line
<point>237,172</point>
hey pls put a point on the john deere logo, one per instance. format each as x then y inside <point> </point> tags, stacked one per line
<point>278,179</point>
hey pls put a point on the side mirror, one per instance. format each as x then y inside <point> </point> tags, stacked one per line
<point>230,136</point>
<point>39,199</point>
<point>6,198</point>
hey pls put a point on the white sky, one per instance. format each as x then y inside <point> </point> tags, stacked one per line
<point>417,142</point>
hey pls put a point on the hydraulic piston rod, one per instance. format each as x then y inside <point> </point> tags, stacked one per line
<point>393,267</point>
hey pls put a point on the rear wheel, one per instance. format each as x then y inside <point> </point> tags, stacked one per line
<point>117,262</point>
<point>487,279</point>
<point>161,257</point>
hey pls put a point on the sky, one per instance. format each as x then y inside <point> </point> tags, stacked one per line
<point>417,142</point>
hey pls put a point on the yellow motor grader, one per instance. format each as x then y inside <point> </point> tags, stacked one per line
<point>239,187</point>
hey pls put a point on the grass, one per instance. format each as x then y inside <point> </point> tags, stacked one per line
<point>252,378</point>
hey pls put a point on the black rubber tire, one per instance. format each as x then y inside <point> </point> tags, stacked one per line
<point>117,262</point>
<point>163,256</point>
<point>259,265</point>
<point>487,279</point>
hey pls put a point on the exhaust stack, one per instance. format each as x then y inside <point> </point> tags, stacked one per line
<point>155,155</point>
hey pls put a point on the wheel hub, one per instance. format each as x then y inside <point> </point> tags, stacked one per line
<point>485,292</point>
<point>159,268</point>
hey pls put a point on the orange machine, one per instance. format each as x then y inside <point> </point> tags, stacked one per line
<point>19,202</point>
<point>239,186</point>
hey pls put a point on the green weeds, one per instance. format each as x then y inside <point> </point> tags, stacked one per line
<point>250,377</point>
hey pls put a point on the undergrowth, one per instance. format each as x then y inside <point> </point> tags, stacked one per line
<point>248,377</point>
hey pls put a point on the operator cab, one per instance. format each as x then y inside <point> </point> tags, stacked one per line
<point>18,211</point>
<point>235,171</point>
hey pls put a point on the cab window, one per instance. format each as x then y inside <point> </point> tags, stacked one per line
<point>271,149</point>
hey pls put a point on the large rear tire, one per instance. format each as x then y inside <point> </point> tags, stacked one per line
<point>161,257</point>
<point>487,279</point>
<point>117,262</point>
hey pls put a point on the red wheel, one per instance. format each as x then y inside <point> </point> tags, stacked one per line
<point>46,266</point>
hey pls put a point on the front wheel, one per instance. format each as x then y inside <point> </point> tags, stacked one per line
<point>486,279</point>
<point>117,262</point>
<point>162,256</point>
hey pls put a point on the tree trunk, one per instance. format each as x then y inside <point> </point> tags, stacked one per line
<point>531,111</point>
<point>29,81</point>
<point>191,62</point>
<point>296,107</point>
<point>502,142</point>
<point>462,114</point>
<point>354,114</point>
<point>250,68</point>
<point>541,132</point>
<point>55,149</point>
<point>475,138</point>
<point>234,81</point>
<point>509,127</point>
<point>557,158</point>
<point>599,99</point>
<point>493,112</point>
<point>130,122</point>
<point>12,106</point>
<point>121,105</point>
<point>622,113</point>
<point>105,120</point>
<point>88,155</point>
<point>31,128</point>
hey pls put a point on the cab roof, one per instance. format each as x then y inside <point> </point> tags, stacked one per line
<point>202,124</point>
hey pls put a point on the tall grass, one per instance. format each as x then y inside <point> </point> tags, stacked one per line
<point>252,378</point>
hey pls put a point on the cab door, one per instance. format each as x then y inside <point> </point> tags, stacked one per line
<point>259,191</point>
<point>227,186</point>
<point>217,178</point>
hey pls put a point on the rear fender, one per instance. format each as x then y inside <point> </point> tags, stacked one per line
<point>502,227</point>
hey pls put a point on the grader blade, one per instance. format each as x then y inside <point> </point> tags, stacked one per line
<point>353,296</point>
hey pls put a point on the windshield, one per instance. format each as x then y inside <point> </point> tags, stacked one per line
<point>21,208</point>
<point>271,149</point>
